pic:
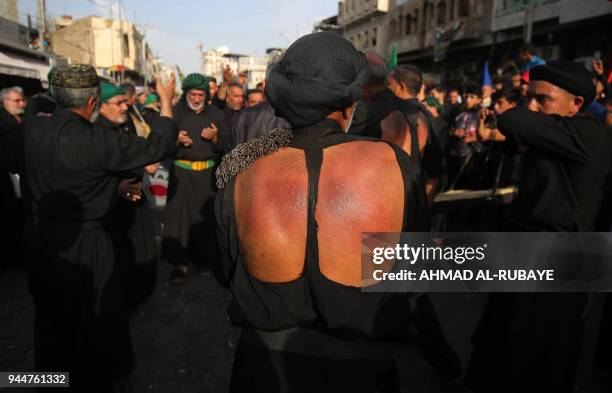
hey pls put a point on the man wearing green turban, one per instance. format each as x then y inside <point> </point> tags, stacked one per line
<point>114,105</point>
<point>189,225</point>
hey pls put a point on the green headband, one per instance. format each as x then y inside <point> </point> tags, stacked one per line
<point>151,98</point>
<point>109,91</point>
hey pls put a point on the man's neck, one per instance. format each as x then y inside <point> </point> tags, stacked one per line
<point>407,97</point>
<point>84,113</point>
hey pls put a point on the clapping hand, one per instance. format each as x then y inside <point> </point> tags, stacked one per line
<point>210,133</point>
<point>184,140</point>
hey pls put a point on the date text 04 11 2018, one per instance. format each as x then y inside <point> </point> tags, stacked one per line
<point>466,275</point>
<point>34,379</point>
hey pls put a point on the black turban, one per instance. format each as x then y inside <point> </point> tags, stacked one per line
<point>319,74</point>
<point>570,76</point>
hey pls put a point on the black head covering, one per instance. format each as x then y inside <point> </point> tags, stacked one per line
<point>570,76</point>
<point>472,88</point>
<point>319,74</point>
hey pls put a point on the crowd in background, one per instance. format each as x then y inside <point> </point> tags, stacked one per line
<point>454,126</point>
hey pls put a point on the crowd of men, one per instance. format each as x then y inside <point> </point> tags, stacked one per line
<point>76,210</point>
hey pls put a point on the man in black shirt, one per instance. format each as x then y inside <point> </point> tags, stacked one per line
<point>188,229</point>
<point>70,174</point>
<point>532,342</point>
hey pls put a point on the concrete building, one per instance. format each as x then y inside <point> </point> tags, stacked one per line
<point>365,23</point>
<point>9,10</point>
<point>255,67</point>
<point>453,38</point>
<point>560,29</point>
<point>328,24</point>
<point>19,64</point>
<point>115,48</point>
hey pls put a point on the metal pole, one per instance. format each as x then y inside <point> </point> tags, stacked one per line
<point>42,24</point>
<point>29,30</point>
<point>529,20</point>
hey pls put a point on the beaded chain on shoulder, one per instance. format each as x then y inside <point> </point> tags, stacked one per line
<point>245,154</point>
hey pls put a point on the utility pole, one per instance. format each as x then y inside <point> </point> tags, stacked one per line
<point>42,23</point>
<point>29,31</point>
<point>125,48</point>
<point>529,11</point>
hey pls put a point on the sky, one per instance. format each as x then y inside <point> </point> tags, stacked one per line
<point>175,28</point>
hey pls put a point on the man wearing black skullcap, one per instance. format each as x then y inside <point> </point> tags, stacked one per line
<point>189,225</point>
<point>532,342</point>
<point>290,212</point>
<point>70,176</point>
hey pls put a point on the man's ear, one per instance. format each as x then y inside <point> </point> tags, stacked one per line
<point>346,112</point>
<point>91,104</point>
<point>577,104</point>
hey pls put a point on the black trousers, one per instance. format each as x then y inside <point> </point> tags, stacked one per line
<point>81,323</point>
<point>189,224</point>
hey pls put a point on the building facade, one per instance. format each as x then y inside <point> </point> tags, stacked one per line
<point>9,10</point>
<point>453,38</point>
<point>214,60</point>
<point>20,65</point>
<point>115,48</point>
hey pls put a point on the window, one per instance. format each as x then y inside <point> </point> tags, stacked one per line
<point>430,15</point>
<point>374,37</point>
<point>393,28</point>
<point>451,14</point>
<point>441,10</point>
<point>126,46</point>
<point>416,21</point>
<point>366,39</point>
<point>464,8</point>
<point>358,40</point>
<point>408,20</point>
<point>400,25</point>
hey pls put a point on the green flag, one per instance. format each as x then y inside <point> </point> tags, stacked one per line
<point>393,58</point>
<point>181,76</point>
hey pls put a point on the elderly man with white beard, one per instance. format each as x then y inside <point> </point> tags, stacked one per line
<point>188,234</point>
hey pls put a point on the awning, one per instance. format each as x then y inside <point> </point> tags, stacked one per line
<point>25,67</point>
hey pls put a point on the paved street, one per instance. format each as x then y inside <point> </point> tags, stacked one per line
<point>184,342</point>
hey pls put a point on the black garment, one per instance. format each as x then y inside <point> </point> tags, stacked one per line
<point>532,341</point>
<point>12,214</point>
<point>70,171</point>
<point>227,137</point>
<point>218,102</point>
<point>432,160</point>
<point>150,115</point>
<point>563,169</point>
<point>256,121</point>
<point>370,113</point>
<point>41,103</point>
<point>189,223</point>
<point>313,302</point>
<point>132,230</point>
<point>451,112</point>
